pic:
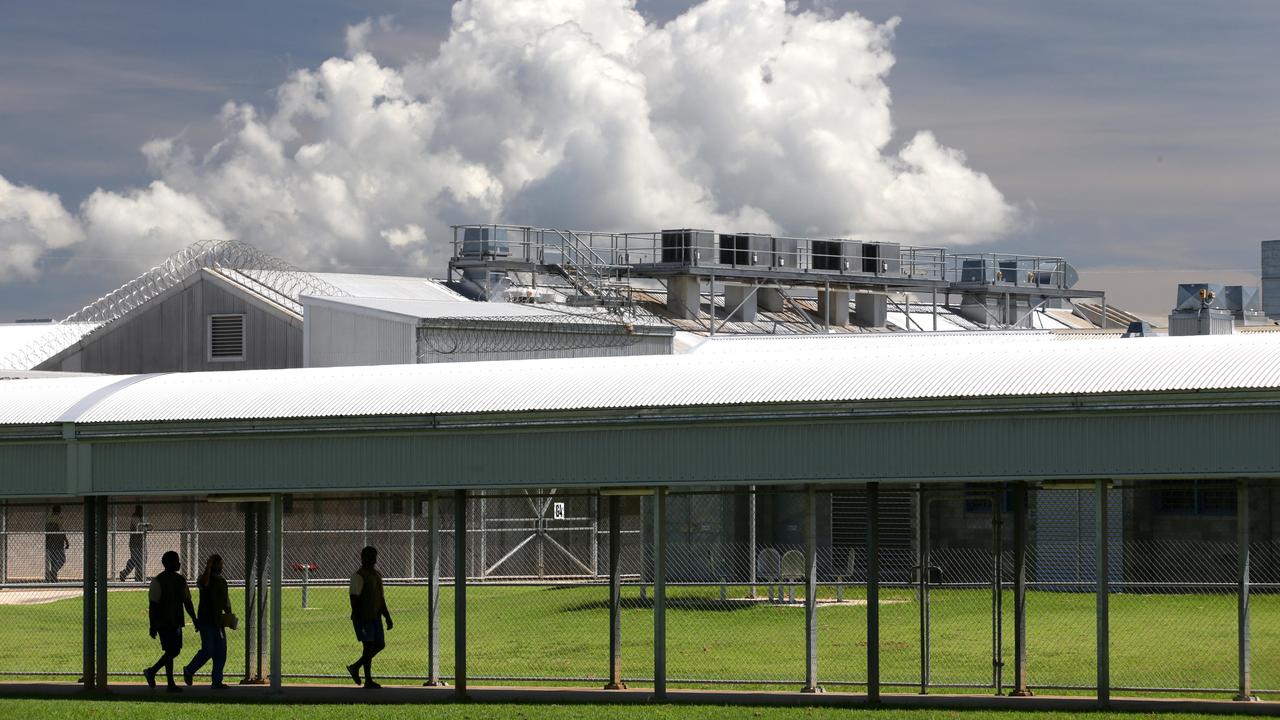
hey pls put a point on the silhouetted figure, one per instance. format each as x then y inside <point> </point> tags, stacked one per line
<point>55,544</point>
<point>368,607</point>
<point>138,527</point>
<point>169,596</point>
<point>214,604</point>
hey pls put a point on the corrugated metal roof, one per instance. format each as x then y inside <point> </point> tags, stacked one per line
<point>419,308</point>
<point>40,341</point>
<point>862,371</point>
<point>391,286</point>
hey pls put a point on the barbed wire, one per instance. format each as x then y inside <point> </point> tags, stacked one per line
<point>522,334</point>
<point>237,261</point>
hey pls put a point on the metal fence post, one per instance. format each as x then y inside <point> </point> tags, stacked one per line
<point>88,672</point>
<point>277,589</point>
<point>811,593</point>
<point>250,599</point>
<point>922,581</point>
<point>460,593</point>
<point>263,543</point>
<point>751,538</point>
<point>1103,588</point>
<point>100,574</point>
<point>873,593</point>
<point>660,594</point>
<point>4,541</point>
<point>615,595</point>
<point>433,593</point>
<point>1020,688</point>
<point>1242,532</point>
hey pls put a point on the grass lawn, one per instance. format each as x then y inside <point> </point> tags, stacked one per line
<point>1185,641</point>
<point>81,709</point>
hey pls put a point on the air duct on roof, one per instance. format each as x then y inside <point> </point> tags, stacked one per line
<point>1201,310</point>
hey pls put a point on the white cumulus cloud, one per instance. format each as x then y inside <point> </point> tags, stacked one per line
<point>737,115</point>
<point>32,222</point>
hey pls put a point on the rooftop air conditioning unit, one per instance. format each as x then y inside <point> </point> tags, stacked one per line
<point>485,242</point>
<point>688,247</point>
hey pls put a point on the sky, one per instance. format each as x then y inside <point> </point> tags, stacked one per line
<point>1138,140</point>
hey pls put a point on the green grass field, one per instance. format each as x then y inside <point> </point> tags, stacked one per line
<point>1183,641</point>
<point>160,710</point>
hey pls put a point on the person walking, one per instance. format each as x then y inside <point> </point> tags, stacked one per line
<point>55,544</point>
<point>138,527</point>
<point>169,596</point>
<point>214,604</point>
<point>368,607</point>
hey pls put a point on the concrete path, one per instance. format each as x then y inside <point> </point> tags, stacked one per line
<point>401,694</point>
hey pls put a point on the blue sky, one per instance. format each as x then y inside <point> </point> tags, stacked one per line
<point>1136,139</point>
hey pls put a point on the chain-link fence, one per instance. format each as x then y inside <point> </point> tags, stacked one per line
<point>737,577</point>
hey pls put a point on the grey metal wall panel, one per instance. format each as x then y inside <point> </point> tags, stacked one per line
<point>35,469</point>
<point>168,335</point>
<point>340,338</point>
<point>508,346</point>
<point>907,449</point>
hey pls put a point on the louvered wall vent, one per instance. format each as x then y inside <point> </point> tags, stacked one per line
<point>226,338</point>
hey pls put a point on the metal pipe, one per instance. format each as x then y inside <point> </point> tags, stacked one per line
<point>1103,585</point>
<point>88,672</point>
<point>1242,534</point>
<point>100,574</point>
<point>1020,688</point>
<point>460,593</point>
<point>615,596</point>
<point>873,593</point>
<point>433,592</point>
<point>811,593</point>
<point>660,594</point>
<point>277,586</point>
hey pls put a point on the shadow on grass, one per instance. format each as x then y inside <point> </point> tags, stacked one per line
<point>678,603</point>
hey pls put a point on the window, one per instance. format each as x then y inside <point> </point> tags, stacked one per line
<point>226,338</point>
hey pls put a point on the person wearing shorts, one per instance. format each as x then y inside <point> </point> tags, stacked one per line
<point>368,608</point>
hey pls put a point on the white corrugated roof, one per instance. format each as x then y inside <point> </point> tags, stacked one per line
<point>37,342</point>
<point>391,286</point>
<point>846,342</point>
<point>859,372</point>
<point>419,308</point>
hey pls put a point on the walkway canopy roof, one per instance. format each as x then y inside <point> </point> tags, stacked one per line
<point>963,407</point>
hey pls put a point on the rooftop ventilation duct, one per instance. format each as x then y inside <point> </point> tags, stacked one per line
<point>1201,310</point>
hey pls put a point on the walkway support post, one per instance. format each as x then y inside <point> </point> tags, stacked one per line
<point>1103,587</point>
<point>433,592</point>
<point>660,594</point>
<point>873,593</point>
<point>460,593</point>
<point>277,590</point>
<point>811,592</point>
<point>1020,688</point>
<point>1242,534</point>
<point>100,573</point>
<point>88,672</point>
<point>615,595</point>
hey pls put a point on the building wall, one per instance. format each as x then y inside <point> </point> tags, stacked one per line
<point>169,334</point>
<point>1271,278</point>
<point>339,338</point>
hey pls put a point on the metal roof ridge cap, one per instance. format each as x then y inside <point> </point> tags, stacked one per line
<point>93,399</point>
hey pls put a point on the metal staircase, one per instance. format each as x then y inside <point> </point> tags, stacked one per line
<point>597,282</point>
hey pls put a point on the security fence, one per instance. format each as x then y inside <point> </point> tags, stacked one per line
<point>752,587</point>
